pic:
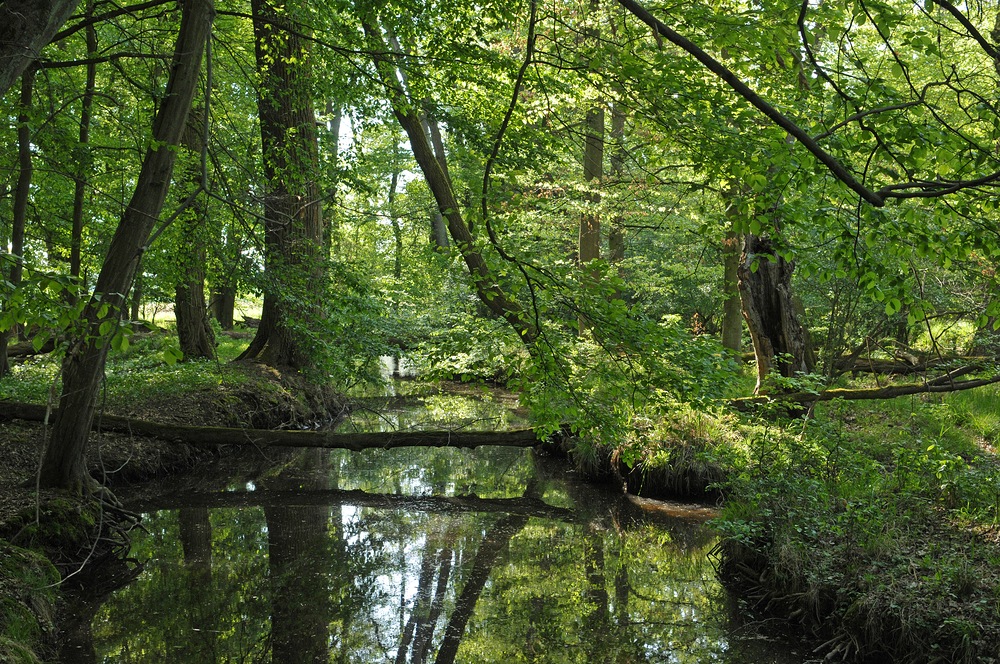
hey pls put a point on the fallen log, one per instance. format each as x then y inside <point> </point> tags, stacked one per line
<point>802,399</point>
<point>196,435</point>
<point>27,348</point>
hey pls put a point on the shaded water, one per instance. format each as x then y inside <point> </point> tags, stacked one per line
<point>434,555</point>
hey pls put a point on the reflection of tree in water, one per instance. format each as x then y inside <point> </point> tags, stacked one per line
<point>436,561</point>
<point>416,580</point>
<point>196,543</point>
<point>297,542</point>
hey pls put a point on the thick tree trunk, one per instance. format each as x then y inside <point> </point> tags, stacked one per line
<point>26,26</point>
<point>64,462</point>
<point>21,195</point>
<point>779,339</point>
<point>223,305</point>
<point>197,340</point>
<point>293,230</point>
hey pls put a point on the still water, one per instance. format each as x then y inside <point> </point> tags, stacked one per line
<point>408,556</point>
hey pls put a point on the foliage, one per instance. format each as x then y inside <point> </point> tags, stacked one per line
<point>834,514</point>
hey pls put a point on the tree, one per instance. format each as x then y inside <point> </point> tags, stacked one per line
<point>21,194</point>
<point>408,113</point>
<point>191,312</point>
<point>293,223</point>
<point>64,462</point>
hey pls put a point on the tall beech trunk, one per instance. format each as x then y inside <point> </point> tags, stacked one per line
<point>193,330</point>
<point>779,339</point>
<point>488,288</point>
<point>64,463</point>
<point>80,184</point>
<point>293,223</point>
<point>21,195</point>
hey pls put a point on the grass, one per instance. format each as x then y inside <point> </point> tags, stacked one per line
<point>141,373</point>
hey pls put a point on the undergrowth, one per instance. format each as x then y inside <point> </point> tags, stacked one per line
<point>872,527</point>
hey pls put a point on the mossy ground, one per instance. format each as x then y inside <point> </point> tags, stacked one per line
<point>27,603</point>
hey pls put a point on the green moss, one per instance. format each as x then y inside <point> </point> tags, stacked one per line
<point>27,597</point>
<point>63,527</point>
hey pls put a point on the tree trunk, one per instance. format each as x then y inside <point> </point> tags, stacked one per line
<point>64,462</point>
<point>589,240</point>
<point>26,26</point>
<point>779,339</point>
<point>732,317</point>
<point>21,195</point>
<point>616,235</point>
<point>193,330</point>
<point>293,231</point>
<point>439,230</point>
<point>223,304</point>
<point>487,286</point>
<point>136,301</point>
<point>80,185</point>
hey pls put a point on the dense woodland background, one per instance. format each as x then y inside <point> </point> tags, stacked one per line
<point>606,206</point>
<point>575,197</point>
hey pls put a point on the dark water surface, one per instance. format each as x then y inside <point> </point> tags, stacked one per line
<point>436,555</point>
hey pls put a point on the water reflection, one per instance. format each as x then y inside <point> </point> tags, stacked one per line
<point>412,556</point>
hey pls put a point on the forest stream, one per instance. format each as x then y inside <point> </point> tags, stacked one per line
<point>411,555</point>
